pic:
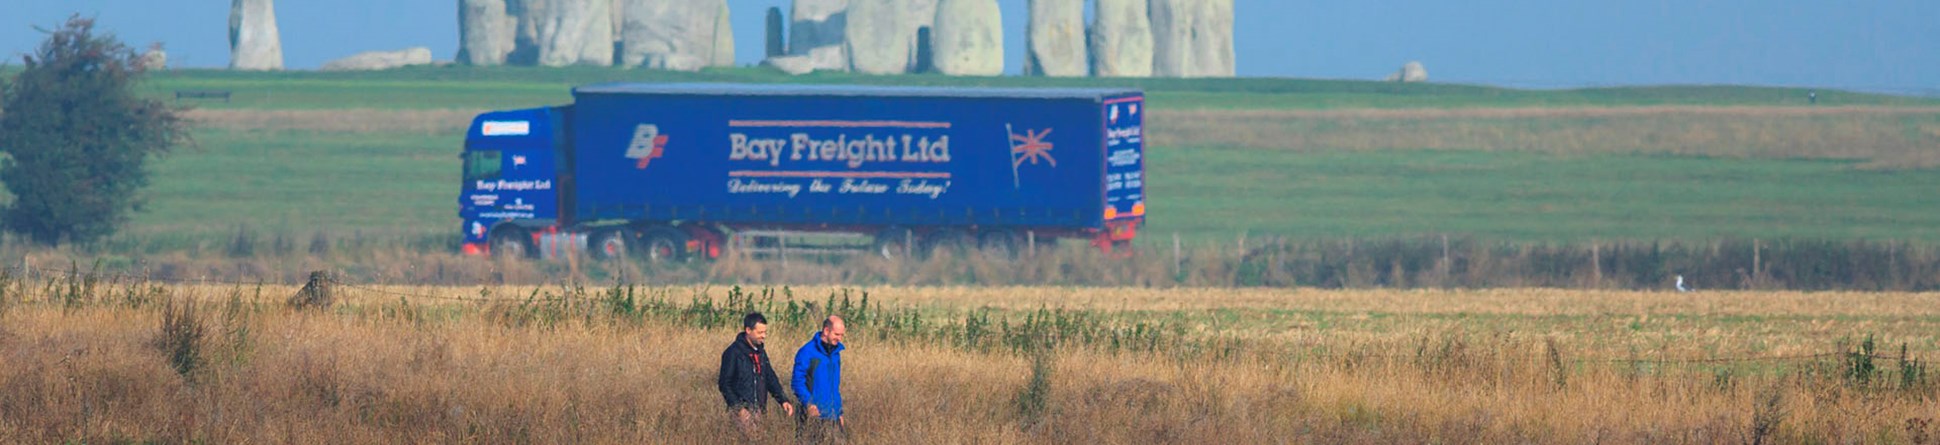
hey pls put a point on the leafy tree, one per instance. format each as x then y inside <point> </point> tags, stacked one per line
<point>77,136</point>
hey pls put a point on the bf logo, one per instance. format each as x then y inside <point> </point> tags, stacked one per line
<point>648,144</point>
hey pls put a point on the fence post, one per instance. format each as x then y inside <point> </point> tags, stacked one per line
<point>1446,266</point>
<point>1596,265</point>
<point>1444,248</point>
<point>1178,263</point>
<point>1757,263</point>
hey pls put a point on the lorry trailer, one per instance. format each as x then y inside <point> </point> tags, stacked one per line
<point>679,171</point>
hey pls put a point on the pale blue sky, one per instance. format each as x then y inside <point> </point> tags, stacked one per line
<point>1883,45</point>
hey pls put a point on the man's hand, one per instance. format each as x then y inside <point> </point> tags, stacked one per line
<point>789,408</point>
<point>813,411</point>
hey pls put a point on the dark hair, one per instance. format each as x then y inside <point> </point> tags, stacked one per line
<point>753,318</point>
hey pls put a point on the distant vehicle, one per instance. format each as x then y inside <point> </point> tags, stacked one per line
<point>679,171</point>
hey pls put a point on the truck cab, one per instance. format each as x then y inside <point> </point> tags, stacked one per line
<point>512,180</point>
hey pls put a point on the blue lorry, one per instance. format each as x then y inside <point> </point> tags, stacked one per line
<point>678,171</point>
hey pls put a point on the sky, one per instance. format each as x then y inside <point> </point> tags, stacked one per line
<point>1872,45</point>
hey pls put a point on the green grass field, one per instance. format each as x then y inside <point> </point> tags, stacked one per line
<point>1526,177</point>
<point>1210,191</point>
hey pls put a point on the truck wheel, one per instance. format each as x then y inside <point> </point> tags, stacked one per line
<point>664,244</point>
<point>947,242</point>
<point>511,242</point>
<point>610,244</point>
<point>999,244</point>
<point>893,244</point>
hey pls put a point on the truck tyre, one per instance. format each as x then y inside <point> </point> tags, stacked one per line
<point>663,244</point>
<point>947,242</point>
<point>610,244</point>
<point>512,242</point>
<point>1001,244</point>
<point>893,244</point>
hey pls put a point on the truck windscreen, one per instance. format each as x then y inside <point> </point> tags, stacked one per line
<point>482,165</point>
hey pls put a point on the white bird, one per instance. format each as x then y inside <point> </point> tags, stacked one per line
<point>1680,284</point>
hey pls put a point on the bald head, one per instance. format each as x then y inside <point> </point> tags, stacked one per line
<point>833,330</point>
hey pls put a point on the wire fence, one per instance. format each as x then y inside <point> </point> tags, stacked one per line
<point>335,280</point>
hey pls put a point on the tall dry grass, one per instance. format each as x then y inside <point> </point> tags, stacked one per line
<point>95,368</point>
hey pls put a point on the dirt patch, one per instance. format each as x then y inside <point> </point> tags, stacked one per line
<point>344,120</point>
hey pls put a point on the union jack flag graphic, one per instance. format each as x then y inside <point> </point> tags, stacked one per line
<point>1028,147</point>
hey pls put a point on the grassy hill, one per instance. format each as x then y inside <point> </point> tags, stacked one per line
<point>375,154</point>
<point>511,87</point>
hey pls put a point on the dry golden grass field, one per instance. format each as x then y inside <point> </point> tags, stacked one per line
<point>99,361</point>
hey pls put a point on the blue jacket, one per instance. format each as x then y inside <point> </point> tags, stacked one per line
<point>818,377</point>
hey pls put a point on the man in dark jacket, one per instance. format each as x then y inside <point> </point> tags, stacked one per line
<point>818,383</point>
<point>747,379</point>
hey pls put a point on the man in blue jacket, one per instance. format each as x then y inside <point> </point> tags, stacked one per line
<point>818,384</point>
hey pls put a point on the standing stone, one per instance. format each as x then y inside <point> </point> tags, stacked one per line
<point>680,35</point>
<point>155,59</point>
<point>918,16</point>
<point>381,60</point>
<point>1057,39</point>
<point>485,32</point>
<point>817,29</point>
<point>924,61</point>
<point>254,43</point>
<point>1121,39</point>
<point>777,43</point>
<point>1171,37</point>
<point>580,33</point>
<point>828,58</point>
<point>525,31</point>
<point>616,11</point>
<point>969,38</point>
<point>792,65</point>
<point>876,37</point>
<point>1214,42</point>
<point>563,32</point>
<point>1412,72</point>
<point>1192,38</point>
<point>723,37</point>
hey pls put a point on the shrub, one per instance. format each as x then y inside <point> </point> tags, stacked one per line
<point>182,337</point>
<point>78,137</point>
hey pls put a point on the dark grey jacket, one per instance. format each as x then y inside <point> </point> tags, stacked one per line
<point>747,379</point>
